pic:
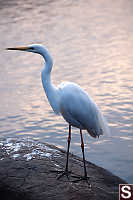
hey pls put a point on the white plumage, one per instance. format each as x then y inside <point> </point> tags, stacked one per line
<point>78,109</point>
<point>69,100</point>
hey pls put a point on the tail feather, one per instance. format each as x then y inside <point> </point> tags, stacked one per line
<point>102,128</point>
<point>104,125</point>
<point>94,133</point>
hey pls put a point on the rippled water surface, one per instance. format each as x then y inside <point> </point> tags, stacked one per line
<point>92,44</point>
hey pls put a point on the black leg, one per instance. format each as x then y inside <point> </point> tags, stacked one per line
<point>80,178</point>
<point>66,172</point>
<point>82,147</point>
<point>68,147</point>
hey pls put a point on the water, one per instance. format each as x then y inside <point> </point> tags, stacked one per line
<point>92,44</point>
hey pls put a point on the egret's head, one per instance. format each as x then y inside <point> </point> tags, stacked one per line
<point>34,48</point>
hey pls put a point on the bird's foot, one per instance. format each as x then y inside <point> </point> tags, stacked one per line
<point>62,173</point>
<point>78,178</point>
<point>72,177</point>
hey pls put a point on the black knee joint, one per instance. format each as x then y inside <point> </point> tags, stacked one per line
<point>82,145</point>
<point>69,139</point>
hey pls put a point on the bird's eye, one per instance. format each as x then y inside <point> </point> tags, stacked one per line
<point>32,48</point>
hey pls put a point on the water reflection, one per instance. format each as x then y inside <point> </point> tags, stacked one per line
<point>91,43</point>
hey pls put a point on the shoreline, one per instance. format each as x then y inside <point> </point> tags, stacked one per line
<point>26,167</point>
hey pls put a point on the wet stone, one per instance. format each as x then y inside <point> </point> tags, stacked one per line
<point>26,173</point>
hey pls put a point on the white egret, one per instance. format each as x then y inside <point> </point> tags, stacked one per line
<point>72,102</point>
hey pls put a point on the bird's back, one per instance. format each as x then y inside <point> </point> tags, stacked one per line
<point>79,110</point>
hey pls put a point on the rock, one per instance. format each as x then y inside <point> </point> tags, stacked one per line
<point>25,174</point>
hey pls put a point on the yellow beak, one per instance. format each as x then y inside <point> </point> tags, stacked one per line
<point>18,48</point>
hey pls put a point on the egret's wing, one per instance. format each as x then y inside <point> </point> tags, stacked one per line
<point>79,110</point>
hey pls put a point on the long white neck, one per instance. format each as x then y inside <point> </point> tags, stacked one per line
<point>51,91</point>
